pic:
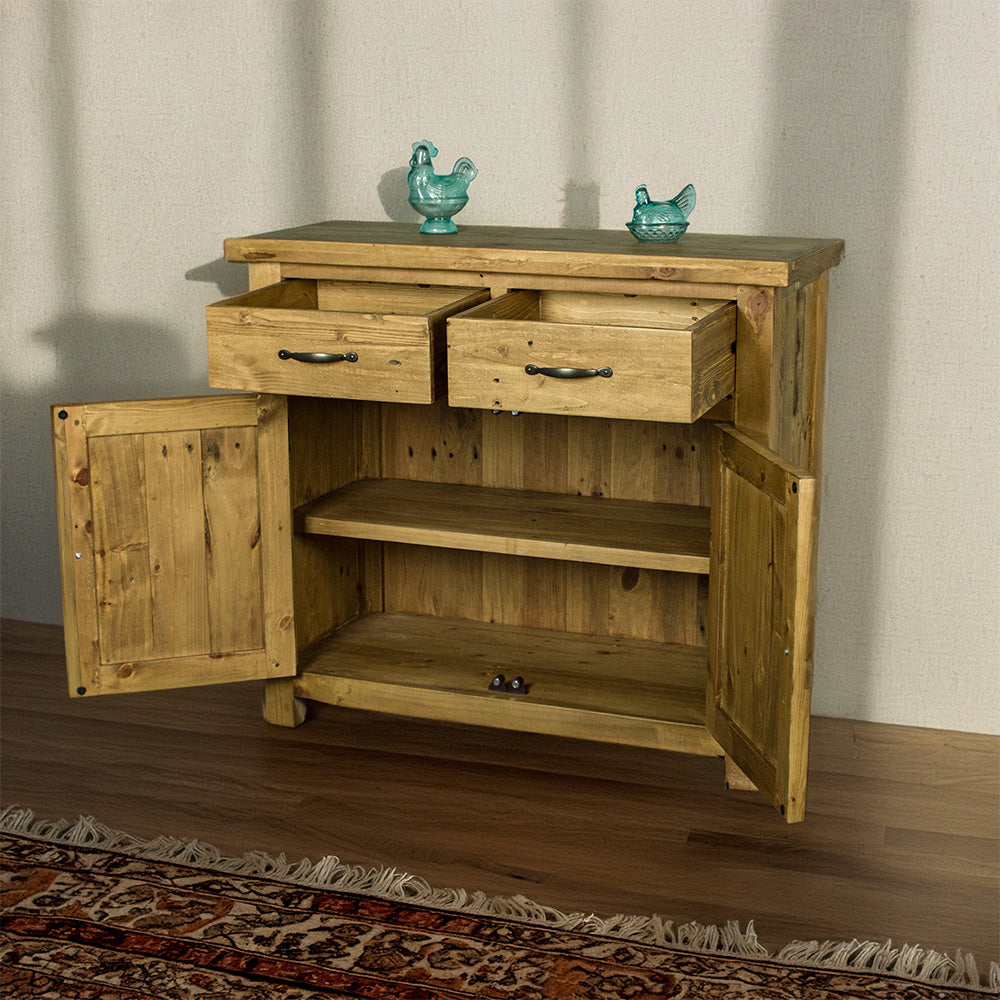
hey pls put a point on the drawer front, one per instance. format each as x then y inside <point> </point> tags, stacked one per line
<point>349,340</point>
<point>629,357</point>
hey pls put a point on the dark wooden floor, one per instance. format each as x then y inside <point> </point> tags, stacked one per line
<point>901,840</point>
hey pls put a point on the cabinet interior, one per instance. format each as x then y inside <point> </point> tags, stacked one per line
<point>461,594</point>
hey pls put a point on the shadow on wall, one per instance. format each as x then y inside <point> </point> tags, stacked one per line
<point>580,201</point>
<point>101,357</point>
<point>307,155</point>
<point>837,123</point>
<point>95,356</point>
<point>394,194</point>
<point>98,357</point>
<point>227,277</point>
<point>581,205</point>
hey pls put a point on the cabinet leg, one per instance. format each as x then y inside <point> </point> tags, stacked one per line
<point>736,779</point>
<point>281,707</point>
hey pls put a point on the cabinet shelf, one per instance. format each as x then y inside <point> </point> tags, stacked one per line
<point>641,534</point>
<point>617,690</point>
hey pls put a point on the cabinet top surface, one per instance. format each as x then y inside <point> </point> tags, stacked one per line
<point>600,253</point>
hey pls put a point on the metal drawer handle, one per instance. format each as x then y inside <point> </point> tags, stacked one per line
<point>568,372</point>
<point>316,359</point>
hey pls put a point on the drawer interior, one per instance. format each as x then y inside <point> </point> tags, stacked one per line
<point>355,297</point>
<point>602,309</point>
<point>395,300</point>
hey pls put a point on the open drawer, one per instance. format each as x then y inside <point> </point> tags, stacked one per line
<point>642,357</point>
<point>353,340</point>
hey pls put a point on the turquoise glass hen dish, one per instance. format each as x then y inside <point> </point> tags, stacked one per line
<point>661,221</point>
<point>438,196</point>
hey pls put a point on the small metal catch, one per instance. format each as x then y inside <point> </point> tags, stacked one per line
<point>500,685</point>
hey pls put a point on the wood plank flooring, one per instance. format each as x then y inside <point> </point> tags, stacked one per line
<point>901,838</point>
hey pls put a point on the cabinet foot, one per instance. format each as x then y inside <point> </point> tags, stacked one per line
<point>736,779</point>
<point>281,707</point>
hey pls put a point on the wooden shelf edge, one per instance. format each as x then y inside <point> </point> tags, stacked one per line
<point>640,534</point>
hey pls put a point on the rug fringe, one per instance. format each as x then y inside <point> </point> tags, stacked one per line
<point>910,961</point>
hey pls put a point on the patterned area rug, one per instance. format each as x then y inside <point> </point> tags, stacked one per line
<point>92,913</point>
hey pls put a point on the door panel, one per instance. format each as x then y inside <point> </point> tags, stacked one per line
<point>178,566</point>
<point>174,523</point>
<point>760,613</point>
<point>233,560</point>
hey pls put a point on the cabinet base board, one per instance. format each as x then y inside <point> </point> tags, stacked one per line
<point>613,690</point>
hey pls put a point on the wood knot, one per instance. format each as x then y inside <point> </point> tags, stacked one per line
<point>82,476</point>
<point>758,306</point>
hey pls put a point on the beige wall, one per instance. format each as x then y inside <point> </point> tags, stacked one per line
<point>138,134</point>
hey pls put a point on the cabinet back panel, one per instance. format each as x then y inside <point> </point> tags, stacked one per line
<point>333,442</point>
<point>576,455</point>
<point>546,593</point>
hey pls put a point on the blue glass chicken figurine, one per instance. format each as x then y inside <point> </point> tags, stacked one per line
<point>438,196</point>
<point>660,221</point>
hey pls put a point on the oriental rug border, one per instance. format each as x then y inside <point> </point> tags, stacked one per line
<point>647,946</point>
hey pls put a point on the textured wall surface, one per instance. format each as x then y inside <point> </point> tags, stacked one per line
<point>137,134</point>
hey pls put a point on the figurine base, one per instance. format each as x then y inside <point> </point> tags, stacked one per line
<point>657,232</point>
<point>439,226</point>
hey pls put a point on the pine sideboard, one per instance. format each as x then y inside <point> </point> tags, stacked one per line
<point>547,480</point>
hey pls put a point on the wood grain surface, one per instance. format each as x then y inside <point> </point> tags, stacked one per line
<point>614,690</point>
<point>664,359</point>
<point>702,257</point>
<point>760,650</point>
<point>901,839</point>
<point>175,514</point>
<point>517,522</point>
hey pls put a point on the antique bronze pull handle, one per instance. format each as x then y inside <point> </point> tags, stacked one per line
<point>313,358</point>
<point>568,372</point>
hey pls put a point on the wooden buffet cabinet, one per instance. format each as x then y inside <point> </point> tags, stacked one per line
<point>567,457</point>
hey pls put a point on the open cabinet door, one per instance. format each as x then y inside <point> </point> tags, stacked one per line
<point>175,539</point>
<point>760,599</point>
